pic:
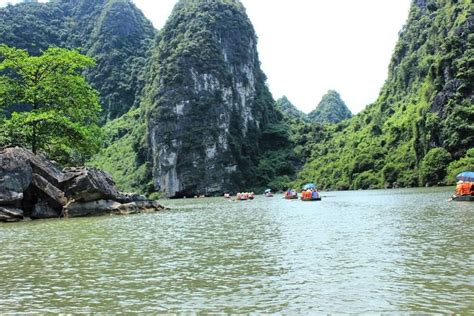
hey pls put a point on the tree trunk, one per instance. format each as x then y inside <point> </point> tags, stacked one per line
<point>34,146</point>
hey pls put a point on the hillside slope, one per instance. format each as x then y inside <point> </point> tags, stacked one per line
<point>424,116</point>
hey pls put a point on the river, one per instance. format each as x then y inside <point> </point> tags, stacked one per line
<point>353,252</point>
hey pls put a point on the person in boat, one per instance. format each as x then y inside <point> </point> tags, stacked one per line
<point>290,193</point>
<point>464,189</point>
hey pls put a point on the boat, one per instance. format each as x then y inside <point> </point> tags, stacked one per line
<point>226,196</point>
<point>268,193</point>
<point>245,196</point>
<point>310,195</point>
<point>465,187</point>
<point>463,198</point>
<point>291,195</point>
<point>311,199</point>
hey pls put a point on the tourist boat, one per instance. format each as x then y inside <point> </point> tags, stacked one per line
<point>268,193</point>
<point>463,198</point>
<point>318,198</point>
<point>309,193</point>
<point>310,196</point>
<point>291,195</point>
<point>464,187</point>
<point>243,196</point>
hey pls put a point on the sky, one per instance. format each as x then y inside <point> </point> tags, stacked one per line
<point>308,47</point>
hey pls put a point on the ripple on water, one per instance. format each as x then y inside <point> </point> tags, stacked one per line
<point>362,252</point>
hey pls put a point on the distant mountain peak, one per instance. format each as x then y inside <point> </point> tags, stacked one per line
<point>288,109</point>
<point>331,109</point>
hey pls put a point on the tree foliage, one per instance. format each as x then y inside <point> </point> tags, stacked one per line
<point>433,166</point>
<point>53,108</point>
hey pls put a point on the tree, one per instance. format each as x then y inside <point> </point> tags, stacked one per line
<point>47,103</point>
<point>434,164</point>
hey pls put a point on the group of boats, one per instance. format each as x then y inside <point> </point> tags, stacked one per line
<point>241,196</point>
<point>308,193</point>
<point>464,191</point>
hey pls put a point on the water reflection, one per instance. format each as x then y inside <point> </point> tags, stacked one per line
<point>362,252</point>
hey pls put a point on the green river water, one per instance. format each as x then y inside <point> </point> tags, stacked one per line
<point>354,252</point>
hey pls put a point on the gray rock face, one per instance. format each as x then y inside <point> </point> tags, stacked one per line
<point>10,214</point>
<point>36,188</point>
<point>103,207</point>
<point>15,176</point>
<point>89,184</point>
<point>213,101</point>
<point>49,190</point>
<point>91,208</point>
<point>43,210</point>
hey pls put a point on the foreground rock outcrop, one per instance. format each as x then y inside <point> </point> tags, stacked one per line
<point>33,187</point>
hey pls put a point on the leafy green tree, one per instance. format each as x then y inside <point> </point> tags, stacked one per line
<point>47,103</point>
<point>464,164</point>
<point>434,164</point>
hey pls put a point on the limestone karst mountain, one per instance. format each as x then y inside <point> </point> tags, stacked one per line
<point>331,109</point>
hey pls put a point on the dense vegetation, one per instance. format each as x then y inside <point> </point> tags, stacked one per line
<point>195,89</point>
<point>289,110</point>
<point>331,109</point>
<point>53,108</point>
<point>114,32</point>
<point>422,122</point>
<point>123,154</point>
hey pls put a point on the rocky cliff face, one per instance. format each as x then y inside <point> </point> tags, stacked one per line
<point>114,32</point>
<point>209,103</point>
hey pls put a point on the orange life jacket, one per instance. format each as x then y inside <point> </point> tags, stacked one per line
<point>465,188</point>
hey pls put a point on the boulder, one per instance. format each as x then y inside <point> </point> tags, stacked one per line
<point>15,176</point>
<point>91,208</point>
<point>132,197</point>
<point>46,168</point>
<point>50,191</point>
<point>86,184</point>
<point>139,207</point>
<point>32,186</point>
<point>10,214</point>
<point>38,163</point>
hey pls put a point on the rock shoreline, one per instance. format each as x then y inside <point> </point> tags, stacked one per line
<point>32,187</point>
